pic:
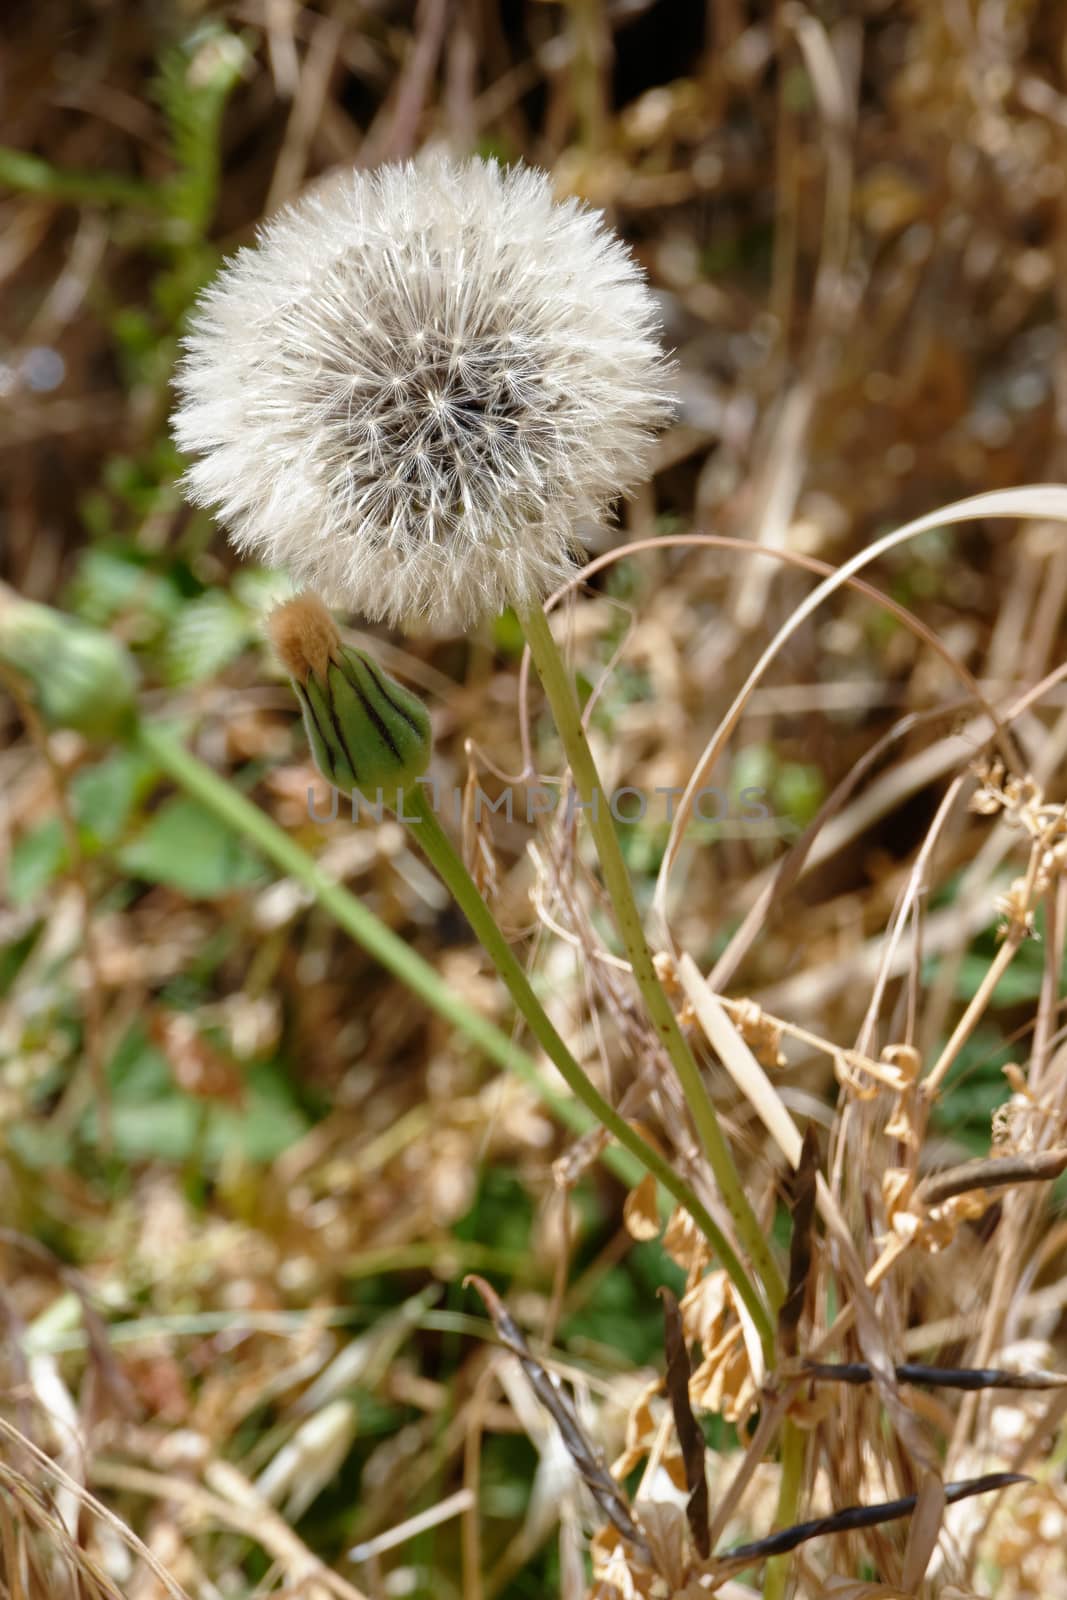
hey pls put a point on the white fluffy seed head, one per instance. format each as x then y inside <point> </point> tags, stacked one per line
<point>416,385</point>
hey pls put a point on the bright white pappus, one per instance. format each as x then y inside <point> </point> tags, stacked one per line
<point>416,385</point>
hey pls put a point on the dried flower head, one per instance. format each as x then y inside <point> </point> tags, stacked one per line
<point>417,383</point>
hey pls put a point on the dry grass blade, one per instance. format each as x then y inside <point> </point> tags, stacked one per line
<point>750,1077</point>
<point>254,1162</point>
<point>231,1502</point>
<point>1035,501</point>
<point>111,1374</point>
<point>854,1517</point>
<point>600,1484</point>
<point>924,1530</point>
<point>36,1547</point>
<point>802,1193</point>
<point>790,558</point>
<point>89,1502</point>
<point>686,1426</point>
<point>454,1505</point>
<point>741,1064</point>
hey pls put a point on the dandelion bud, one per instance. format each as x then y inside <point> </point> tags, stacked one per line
<point>366,731</point>
<point>80,677</point>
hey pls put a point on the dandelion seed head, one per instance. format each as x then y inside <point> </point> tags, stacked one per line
<point>417,384</point>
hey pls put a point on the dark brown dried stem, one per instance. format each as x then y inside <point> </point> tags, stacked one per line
<point>854,1517</point>
<point>993,1172</point>
<point>597,1479</point>
<point>858,1372</point>
<point>686,1426</point>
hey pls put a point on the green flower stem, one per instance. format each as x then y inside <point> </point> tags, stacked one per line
<point>260,831</point>
<point>794,1442</point>
<point>561,697</point>
<point>629,1159</point>
<point>447,862</point>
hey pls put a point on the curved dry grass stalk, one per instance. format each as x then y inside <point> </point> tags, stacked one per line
<point>30,1501</point>
<point>744,547</point>
<point>1038,502</point>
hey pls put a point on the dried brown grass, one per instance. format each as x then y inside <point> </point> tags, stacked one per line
<point>900,348</point>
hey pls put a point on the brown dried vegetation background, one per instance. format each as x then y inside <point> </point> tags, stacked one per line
<point>243,1174</point>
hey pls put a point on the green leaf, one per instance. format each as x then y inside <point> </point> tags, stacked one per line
<point>105,796</point>
<point>108,584</point>
<point>152,1119</point>
<point>207,634</point>
<point>799,790</point>
<point>31,175</point>
<point>195,81</point>
<point>138,1069</point>
<point>178,1127</point>
<point>267,1124</point>
<point>259,589</point>
<point>755,767</point>
<point>35,860</point>
<point>1020,983</point>
<point>623,1314</point>
<point>187,848</point>
<point>14,953</point>
<point>975,1086</point>
<point>38,1145</point>
<point>162,1130</point>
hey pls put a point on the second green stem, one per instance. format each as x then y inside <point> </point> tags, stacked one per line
<point>559,690</point>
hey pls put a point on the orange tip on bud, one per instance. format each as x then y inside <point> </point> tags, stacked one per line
<point>305,637</point>
<point>367,732</point>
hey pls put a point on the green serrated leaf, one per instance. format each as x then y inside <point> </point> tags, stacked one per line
<point>207,634</point>
<point>195,80</point>
<point>187,848</point>
<point>108,584</point>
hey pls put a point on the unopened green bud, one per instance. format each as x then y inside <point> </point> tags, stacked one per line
<point>366,731</point>
<point>79,676</point>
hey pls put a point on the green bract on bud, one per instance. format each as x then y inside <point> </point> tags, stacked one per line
<point>79,677</point>
<point>367,732</point>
